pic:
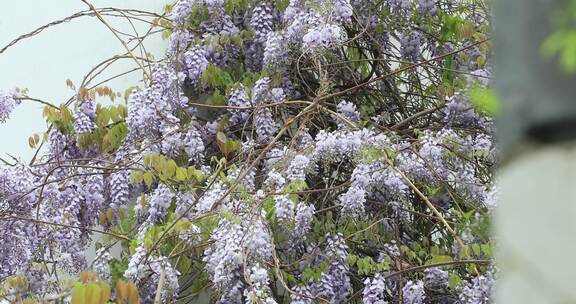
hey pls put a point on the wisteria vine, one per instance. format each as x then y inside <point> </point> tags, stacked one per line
<point>302,151</point>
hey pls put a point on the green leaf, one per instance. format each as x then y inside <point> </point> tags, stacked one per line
<point>351,259</point>
<point>147,160</point>
<point>123,111</point>
<point>476,249</point>
<point>170,169</point>
<point>66,115</point>
<point>114,114</point>
<point>137,177</point>
<point>360,265</point>
<point>454,280</point>
<point>216,99</point>
<point>451,27</point>
<point>439,259</point>
<point>197,174</point>
<point>464,252</point>
<point>148,179</point>
<point>184,264</point>
<point>562,43</point>
<point>270,209</point>
<point>226,145</point>
<point>296,186</point>
<point>103,117</point>
<point>487,250</point>
<point>568,55</point>
<point>485,100</point>
<point>281,5</point>
<point>181,174</point>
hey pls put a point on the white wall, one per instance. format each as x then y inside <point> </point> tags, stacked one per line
<point>66,51</point>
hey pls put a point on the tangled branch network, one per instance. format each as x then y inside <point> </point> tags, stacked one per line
<point>302,151</point>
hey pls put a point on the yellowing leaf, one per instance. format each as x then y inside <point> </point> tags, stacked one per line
<point>148,179</point>
<point>227,146</point>
<point>133,297</point>
<point>78,293</point>
<point>92,294</point>
<point>122,290</point>
<point>105,293</point>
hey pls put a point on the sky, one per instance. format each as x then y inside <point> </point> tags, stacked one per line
<point>44,62</point>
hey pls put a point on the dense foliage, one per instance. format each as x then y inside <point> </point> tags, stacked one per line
<point>302,151</point>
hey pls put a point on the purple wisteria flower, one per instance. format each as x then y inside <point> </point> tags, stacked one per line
<point>8,101</point>
<point>195,62</point>
<point>410,44</point>
<point>374,290</point>
<point>322,37</point>
<point>414,292</point>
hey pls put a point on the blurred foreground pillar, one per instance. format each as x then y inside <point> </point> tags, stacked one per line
<point>536,219</point>
<point>536,227</point>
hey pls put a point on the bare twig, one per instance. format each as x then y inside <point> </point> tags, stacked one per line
<point>114,31</point>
